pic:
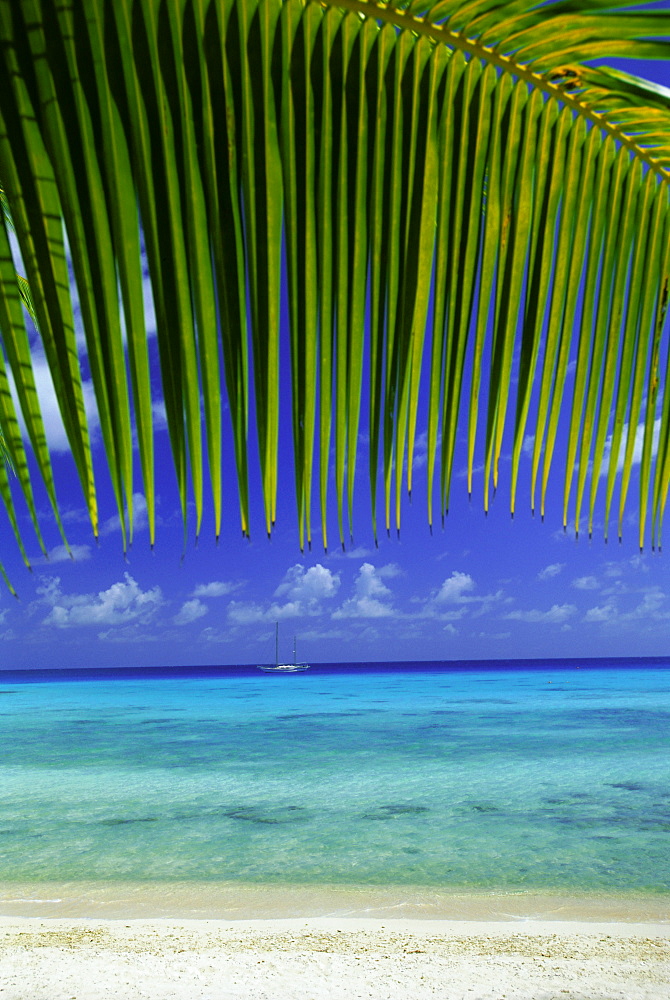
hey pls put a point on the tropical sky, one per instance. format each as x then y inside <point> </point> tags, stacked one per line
<point>478,587</point>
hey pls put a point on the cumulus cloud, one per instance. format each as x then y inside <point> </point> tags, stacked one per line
<point>217,588</point>
<point>310,586</point>
<point>454,599</point>
<point>550,571</point>
<point>245,612</point>
<point>557,614</point>
<point>302,592</point>
<point>585,583</point>
<point>372,596</point>
<point>650,605</point>
<point>190,611</point>
<point>121,603</point>
<point>454,588</point>
<point>605,613</point>
<point>652,608</point>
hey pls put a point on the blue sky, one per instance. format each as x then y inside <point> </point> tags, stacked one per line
<point>481,587</point>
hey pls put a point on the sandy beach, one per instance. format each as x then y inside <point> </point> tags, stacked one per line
<point>329,957</point>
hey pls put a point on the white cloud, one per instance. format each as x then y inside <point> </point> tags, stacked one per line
<point>622,573</point>
<point>651,609</point>
<point>77,553</point>
<point>363,607</point>
<point>210,634</point>
<point>159,414</point>
<point>372,596</point>
<point>149,307</point>
<point>76,515</point>
<point>528,445</point>
<point>308,586</point>
<point>247,612</point>
<point>650,605</point>
<point>637,446</point>
<point>389,571</point>
<point>360,552</point>
<point>135,632</point>
<point>321,634</point>
<point>616,589</point>
<point>557,614</point>
<point>452,616</point>
<point>190,611</point>
<point>550,571</point>
<point>454,588</point>
<point>123,602</point>
<point>303,591</point>
<point>605,613</point>
<point>53,422</point>
<point>420,457</point>
<point>369,582</point>
<point>292,609</point>
<point>140,520</point>
<point>639,562</point>
<point>585,583</point>
<point>476,470</point>
<point>217,588</point>
<point>218,635</point>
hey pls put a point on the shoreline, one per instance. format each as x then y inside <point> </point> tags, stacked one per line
<point>194,941</point>
<point>234,901</point>
<point>331,958</point>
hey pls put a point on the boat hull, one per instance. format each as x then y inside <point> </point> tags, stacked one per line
<point>285,668</point>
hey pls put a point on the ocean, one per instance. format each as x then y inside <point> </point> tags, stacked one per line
<point>416,783</point>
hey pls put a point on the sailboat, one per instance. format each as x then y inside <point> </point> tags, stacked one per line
<point>283,668</point>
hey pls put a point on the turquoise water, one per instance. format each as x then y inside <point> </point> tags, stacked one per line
<point>542,778</point>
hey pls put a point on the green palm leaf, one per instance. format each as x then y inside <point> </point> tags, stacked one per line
<point>456,196</point>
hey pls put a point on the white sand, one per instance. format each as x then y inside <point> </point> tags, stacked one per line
<point>331,957</point>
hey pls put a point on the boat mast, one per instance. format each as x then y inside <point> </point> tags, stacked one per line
<point>294,659</point>
<point>276,643</point>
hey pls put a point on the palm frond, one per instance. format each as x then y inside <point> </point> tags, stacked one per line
<point>458,199</point>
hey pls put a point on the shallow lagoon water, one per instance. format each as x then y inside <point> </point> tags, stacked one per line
<point>550,778</point>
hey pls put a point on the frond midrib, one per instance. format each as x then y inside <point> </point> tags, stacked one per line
<point>381,11</point>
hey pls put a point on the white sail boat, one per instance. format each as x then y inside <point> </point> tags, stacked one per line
<point>283,668</point>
